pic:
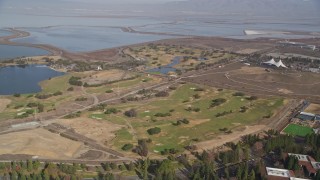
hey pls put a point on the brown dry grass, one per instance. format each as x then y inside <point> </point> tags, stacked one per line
<point>106,76</point>
<point>3,104</point>
<point>99,130</point>
<point>247,51</point>
<point>313,108</point>
<point>197,122</point>
<point>251,70</point>
<point>39,142</point>
<point>285,91</point>
<point>235,136</point>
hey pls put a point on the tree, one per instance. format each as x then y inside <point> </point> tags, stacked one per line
<point>14,175</point>
<point>154,130</point>
<point>29,166</point>
<point>239,173</point>
<point>109,176</point>
<point>252,175</point>
<point>45,175</point>
<point>165,170</point>
<point>73,177</point>
<point>127,147</point>
<point>162,94</point>
<point>113,166</point>
<point>142,168</point>
<point>131,113</point>
<point>22,177</point>
<point>226,172</point>
<point>142,148</point>
<point>106,167</point>
<point>130,166</point>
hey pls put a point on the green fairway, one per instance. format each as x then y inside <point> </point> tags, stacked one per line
<point>203,124</point>
<point>297,130</point>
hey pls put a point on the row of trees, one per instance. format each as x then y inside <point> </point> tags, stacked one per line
<point>34,170</point>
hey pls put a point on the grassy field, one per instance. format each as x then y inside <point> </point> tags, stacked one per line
<point>55,84</point>
<point>159,55</point>
<point>204,124</point>
<point>297,130</point>
<point>121,84</point>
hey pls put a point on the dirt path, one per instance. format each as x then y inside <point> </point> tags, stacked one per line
<point>95,98</point>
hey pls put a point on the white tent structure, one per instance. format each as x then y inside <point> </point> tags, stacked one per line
<point>278,64</point>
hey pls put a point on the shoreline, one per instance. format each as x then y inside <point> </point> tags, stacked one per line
<point>112,54</point>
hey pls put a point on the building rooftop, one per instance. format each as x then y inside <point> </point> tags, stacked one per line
<point>300,157</point>
<point>316,165</point>
<point>278,172</point>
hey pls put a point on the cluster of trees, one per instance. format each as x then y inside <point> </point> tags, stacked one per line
<point>111,111</point>
<point>292,163</point>
<point>282,143</point>
<point>244,172</point>
<point>73,115</point>
<point>162,94</point>
<point>199,89</point>
<point>75,81</point>
<point>238,94</point>
<point>236,154</point>
<point>122,167</point>
<point>223,113</point>
<point>155,169</point>
<point>313,140</point>
<point>46,96</point>
<point>162,114</point>
<point>39,106</point>
<point>25,114</point>
<point>250,139</point>
<point>243,109</point>
<point>180,121</point>
<point>36,171</point>
<point>252,98</point>
<point>217,102</point>
<point>99,107</point>
<point>169,151</point>
<point>194,109</point>
<point>107,176</point>
<point>142,147</point>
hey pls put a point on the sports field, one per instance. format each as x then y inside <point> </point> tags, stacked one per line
<point>297,130</point>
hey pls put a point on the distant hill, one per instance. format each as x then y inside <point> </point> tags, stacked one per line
<point>276,8</point>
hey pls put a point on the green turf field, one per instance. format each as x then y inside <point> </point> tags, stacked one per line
<point>297,130</point>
